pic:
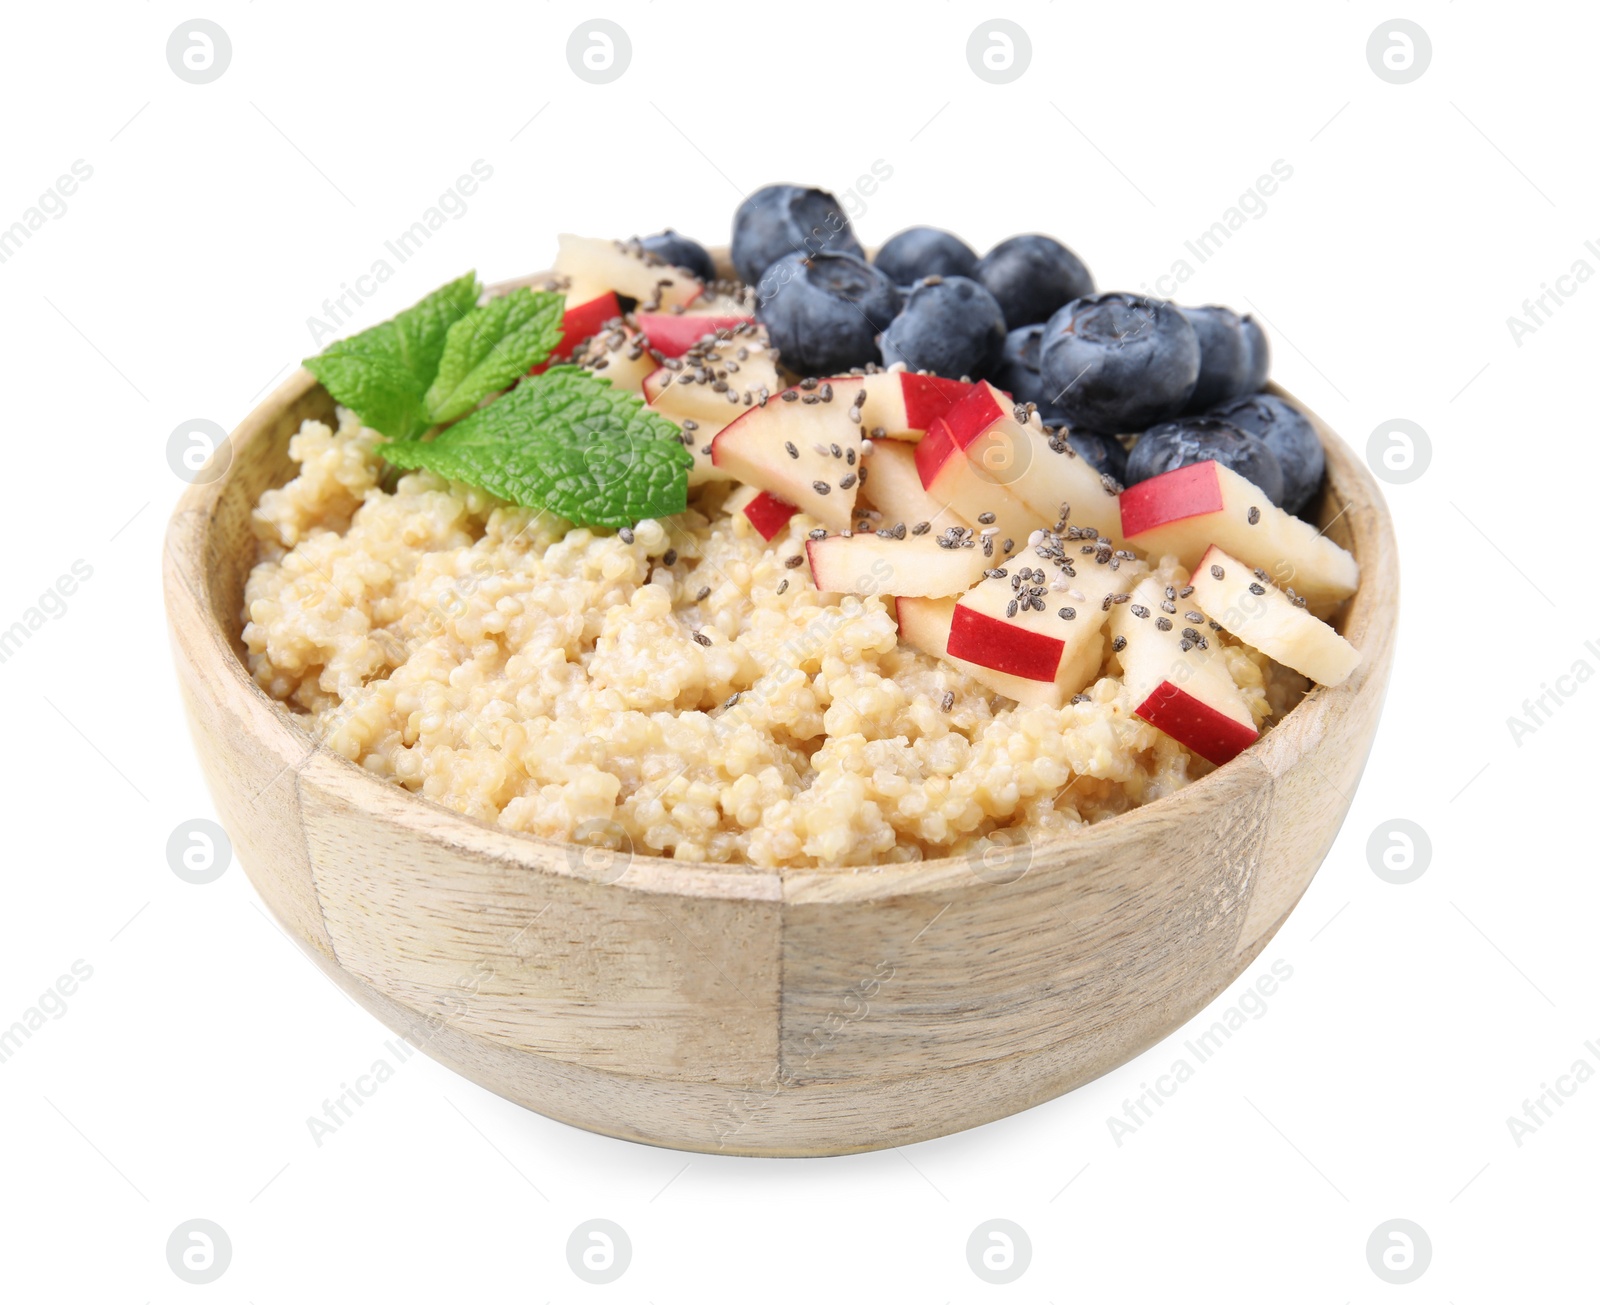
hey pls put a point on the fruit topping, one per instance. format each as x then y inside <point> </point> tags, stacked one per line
<point>925,624</point>
<point>776,221</point>
<point>971,490</point>
<point>1259,352</point>
<point>579,322</point>
<point>1177,676</point>
<point>1290,435</point>
<point>1119,362</point>
<point>765,512</point>
<point>1031,277</point>
<point>895,489</point>
<point>1008,446</point>
<point>901,404</point>
<point>1102,452</point>
<point>917,252</point>
<point>1188,440</point>
<point>619,354</point>
<point>626,267</point>
<point>715,379</point>
<point>824,312</point>
<point>1225,356</point>
<point>801,445</point>
<point>673,334</point>
<point>948,325</point>
<point>895,561</point>
<point>1186,511</point>
<point>1247,604</point>
<point>1017,372</point>
<point>680,251</point>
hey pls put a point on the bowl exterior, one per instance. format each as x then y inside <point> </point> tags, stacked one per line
<point>741,1010</point>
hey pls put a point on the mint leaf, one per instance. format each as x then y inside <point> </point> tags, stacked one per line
<point>491,346</point>
<point>567,441</point>
<point>383,373</point>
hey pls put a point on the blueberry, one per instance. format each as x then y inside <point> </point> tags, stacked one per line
<point>1119,362</point>
<point>949,326</point>
<point>1189,440</point>
<point>1255,340</point>
<point>917,252</point>
<point>779,220</point>
<point>1102,452</point>
<point>823,313</point>
<point>682,252</point>
<point>1224,356</point>
<point>1017,373</point>
<point>1031,277</point>
<point>1293,440</point>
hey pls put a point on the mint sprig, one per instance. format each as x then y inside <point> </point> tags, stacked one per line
<point>567,441</point>
<point>438,358</point>
<point>491,346</point>
<point>383,373</point>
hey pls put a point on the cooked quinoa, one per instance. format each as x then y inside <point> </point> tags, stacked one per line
<point>685,692</point>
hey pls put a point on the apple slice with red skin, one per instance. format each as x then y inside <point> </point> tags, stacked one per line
<point>1042,616</point>
<point>711,383</point>
<point>900,404</point>
<point>673,334</point>
<point>925,624</point>
<point>578,323</point>
<point>1186,511</point>
<point>620,355</point>
<point>766,512</point>
<point>893,486</point>
<point>624,266</point>
<point>800,446</point>
<point>1178,684</point>
<point>917,566</point>
<point>1011,447</point>
<point>951,479</point>
<point>1247,604</point>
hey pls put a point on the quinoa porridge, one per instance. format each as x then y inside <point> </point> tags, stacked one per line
<point>681,689</point>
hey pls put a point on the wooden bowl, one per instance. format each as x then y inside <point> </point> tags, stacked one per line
<point>750,1011</point>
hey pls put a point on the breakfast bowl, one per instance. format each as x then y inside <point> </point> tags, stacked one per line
<point>732,1008</point>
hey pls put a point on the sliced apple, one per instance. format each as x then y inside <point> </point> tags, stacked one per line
<point>895,561</point>
<point>1010,445</point>
<point>951,480</point>
<point>626,267</point>
<point>900,404</point>
<point>1246,603</point>
<point>893,487</point>
<point>674,334</point>
<point>1177,676</point>
<point>716,380</point>
<point>582,319</point>
<point>925,625</point>
<point>619,354</point>
<point>767,513</point>
<point>800,445</point>
<point>1186,511</point>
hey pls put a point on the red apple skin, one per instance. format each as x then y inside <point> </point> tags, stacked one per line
<point>977,637</point>
<point>672,334</point>
<point>1205,730</point>
<point>1172,496</point>
<point>976,412</point>
<point>930,397</point>
<point>768,514</point>
<point>578,324</point>
<point>937,447</point>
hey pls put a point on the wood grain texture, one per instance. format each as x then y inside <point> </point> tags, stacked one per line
<point>742,1010</point>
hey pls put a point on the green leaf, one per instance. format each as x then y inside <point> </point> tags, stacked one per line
<point>383,373</point>
<point>491,346</point>
<point>567,441</point>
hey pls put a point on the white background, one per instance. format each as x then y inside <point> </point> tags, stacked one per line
<point>178,284</point>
